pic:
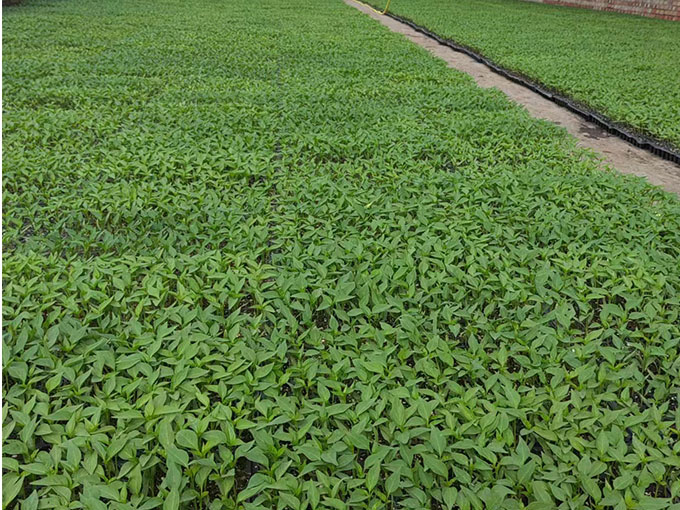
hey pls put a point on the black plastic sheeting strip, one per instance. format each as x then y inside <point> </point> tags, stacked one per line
<point>643,142</point>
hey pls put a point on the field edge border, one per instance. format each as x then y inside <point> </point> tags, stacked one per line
<point>645,142</point>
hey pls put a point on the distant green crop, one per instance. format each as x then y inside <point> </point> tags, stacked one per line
<point>626,67</point>
<point>260,255</point>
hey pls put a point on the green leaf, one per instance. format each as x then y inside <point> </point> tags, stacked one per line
<point>602,443</point>
<point>372,476</point>
<point>541,505</point>
<point>398,413</point>
<point>626,479</point>
<point>18,370</point>
<point>393,482</point>
<point>174,454</point>
<point>11,486</point>
<point>310,451</point>
<point>592,488</point>
<point>31,502</point>
<point>313,494</point>
<point>525,472</point>
<point>166,436</point>
<point>435,465</point>
<point>373,366</point>
<point>513,397</point>
<point>187,439</point>
<point>449,495</point>
<point>584,466</point>
<point>438,441</point>
<point>257,455</point>
<point>650,503</point>
<point>171,500</point>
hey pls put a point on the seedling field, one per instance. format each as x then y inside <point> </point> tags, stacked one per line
<point>623,66</point>
<point>268,254</point>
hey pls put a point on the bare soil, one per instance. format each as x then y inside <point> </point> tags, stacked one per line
<point>615,152</point>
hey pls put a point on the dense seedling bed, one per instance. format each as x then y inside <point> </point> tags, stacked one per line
<point>626,67</point>
<point>263,255</point>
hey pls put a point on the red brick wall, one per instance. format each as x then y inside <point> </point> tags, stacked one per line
<point>665,9</point>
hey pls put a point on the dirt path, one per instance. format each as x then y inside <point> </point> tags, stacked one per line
<point>621,155</point>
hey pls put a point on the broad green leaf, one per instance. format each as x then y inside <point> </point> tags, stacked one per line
<point>171,500</point>
<point>187,439</point>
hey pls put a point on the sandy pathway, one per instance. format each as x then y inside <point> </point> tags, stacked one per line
<point>621,155</point>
